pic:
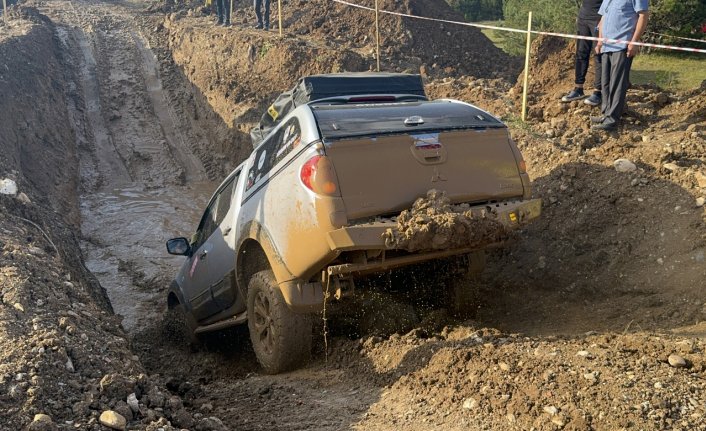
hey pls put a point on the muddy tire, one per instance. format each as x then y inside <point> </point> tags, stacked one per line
<point>180,326</point>
<point>281,338</point>
<point>463,296</point>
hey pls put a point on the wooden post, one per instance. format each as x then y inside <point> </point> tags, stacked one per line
<point>279,12</point>
<point>527,65</point>
<point>231,11</point>
<point>4,10</point>
<point>377,34</point>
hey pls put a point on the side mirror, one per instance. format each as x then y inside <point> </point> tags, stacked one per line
<point>179,246</point>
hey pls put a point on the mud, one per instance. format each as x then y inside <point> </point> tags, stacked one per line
<point>434,224</point>
<point>117,122</point>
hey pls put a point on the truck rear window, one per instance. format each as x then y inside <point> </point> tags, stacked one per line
<point>339,121</point>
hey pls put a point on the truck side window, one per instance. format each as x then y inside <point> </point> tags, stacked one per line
<point>215,213</point>
<point>273,150</point>
<point>224,200</point>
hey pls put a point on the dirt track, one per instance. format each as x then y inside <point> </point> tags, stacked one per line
<point>127,119</point>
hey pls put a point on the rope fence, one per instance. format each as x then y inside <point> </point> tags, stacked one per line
<point>529,32</point>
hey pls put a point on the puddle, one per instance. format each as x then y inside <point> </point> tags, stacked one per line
<point>123,235</point>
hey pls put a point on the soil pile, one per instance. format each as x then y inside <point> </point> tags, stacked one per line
<point>434,224</point>
<point>66,361</point>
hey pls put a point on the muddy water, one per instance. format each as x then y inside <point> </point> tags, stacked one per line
<point>124,231</point>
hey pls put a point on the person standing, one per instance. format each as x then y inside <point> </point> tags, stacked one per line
<point>223,10</point>
<point>621,20</point>
<point>586,25</point>
<point>258,12</point>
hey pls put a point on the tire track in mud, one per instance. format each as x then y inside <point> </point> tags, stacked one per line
<point>141,181</point>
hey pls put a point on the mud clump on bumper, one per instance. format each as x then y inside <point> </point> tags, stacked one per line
<point>434,224</point>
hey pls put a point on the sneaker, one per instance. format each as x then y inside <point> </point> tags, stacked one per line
<point>258,27</point>
<point>594,99</point>
<point>597,120</point>
<point>607,125</point>
<point>575,94</point>
<point>227,24</point>
<point>219,22</point>
<point>267,28</point>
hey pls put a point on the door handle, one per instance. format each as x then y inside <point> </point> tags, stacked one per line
<point>226,231</point>
<point>203,254</point>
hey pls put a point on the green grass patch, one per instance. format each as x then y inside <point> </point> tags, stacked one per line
<point>674,71</point>
<point>495,36</point>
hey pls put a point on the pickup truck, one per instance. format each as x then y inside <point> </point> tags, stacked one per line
<point>313,206</point>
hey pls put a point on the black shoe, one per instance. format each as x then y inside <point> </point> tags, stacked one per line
<point>227,24</point>
<point>219,22</point>
<point>594,99</point>
<point>258,27</point>
<point>267,28</point>
<point>597,120</point>
<point>575,94</point>
<point>606,125</point>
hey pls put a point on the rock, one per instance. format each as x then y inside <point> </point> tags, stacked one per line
<point>17,306</point>
<point>624,165</point>
<point>123,410</point>
<point>550,133</point>
<point>558,421</point>
<point>676,361</point>
<point>551,410</point>
<point>133,403</point>
<point>42,422</point>
<point>658,385</point>
<point>701,201</point>
<point>23,198</point>
<point>8,187</point>
<point>584,354</point>
<point>70,365</point>
<point>210,424</point>
<point>112,420</point>
<point>156,398</point>
<point>116,386</point>
<point>671,167</point>
<point>469,403</point>
<point>700,179</point>
<point>174,403</point>
<point>182,419</point>
<point>503,366</point>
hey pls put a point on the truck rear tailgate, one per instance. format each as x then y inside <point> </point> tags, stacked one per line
<point>380,175</point>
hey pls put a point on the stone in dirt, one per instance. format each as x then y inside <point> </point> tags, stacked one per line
<point>112,420</point>
<point>624,165</point>
<point>42,422</point>
<point>676,361</point>
<point>8,187</point>
<point>434,224</point>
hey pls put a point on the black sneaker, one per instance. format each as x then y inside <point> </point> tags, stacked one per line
<point>258,27</point>
<point>607,125</point>
<point>575,94</point>
<point>227,24</point>
<point>597,120</point>
<point>594,99</point>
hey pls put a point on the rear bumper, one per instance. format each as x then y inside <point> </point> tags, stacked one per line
<point>369,236</point>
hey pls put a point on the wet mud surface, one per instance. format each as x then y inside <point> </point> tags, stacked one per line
<point>592,319</point>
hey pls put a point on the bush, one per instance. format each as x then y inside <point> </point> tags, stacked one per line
<point>479,10</point>
<point>547,15</point>
<point>677,18</point>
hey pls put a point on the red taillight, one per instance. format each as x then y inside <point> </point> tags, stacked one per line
<point>318,175</point>
<point>522,166</point>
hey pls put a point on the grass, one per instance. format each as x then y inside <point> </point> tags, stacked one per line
<point>674,71</point>
<point>668,69</point>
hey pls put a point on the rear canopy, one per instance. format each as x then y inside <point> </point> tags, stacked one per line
<point>318,87</point>
<point>340,121</point>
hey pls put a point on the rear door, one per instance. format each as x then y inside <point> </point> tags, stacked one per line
<point>401,152</point>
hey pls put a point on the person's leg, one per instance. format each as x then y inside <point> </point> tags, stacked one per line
<point>597,60</point>
<point>605,81</point>
<point>258,13</point>
<point>622,82</point>
<point>267,14</point>
<point>583,54</point>
<point>226,6</point>
<point>220,11</point>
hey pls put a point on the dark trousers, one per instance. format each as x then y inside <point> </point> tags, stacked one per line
<point>258,13</point>
<point>616,79</point>
<point>223,9</point>
<point>584,48</point>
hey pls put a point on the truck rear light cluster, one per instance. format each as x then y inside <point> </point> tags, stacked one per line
<point>318,175</point>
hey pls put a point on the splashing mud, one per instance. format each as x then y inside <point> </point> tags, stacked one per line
<point>434,224</point>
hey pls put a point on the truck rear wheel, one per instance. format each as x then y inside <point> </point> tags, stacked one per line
<point>281,338</point>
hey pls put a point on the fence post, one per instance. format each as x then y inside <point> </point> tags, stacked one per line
<point>279,13</point>
<point>4,11</point>
<point>377,35</point>
<point>231,10</point>
<point>527,64</point>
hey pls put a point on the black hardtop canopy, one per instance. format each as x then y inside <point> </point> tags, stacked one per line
<point>337,122</point>
<point>317,87</point>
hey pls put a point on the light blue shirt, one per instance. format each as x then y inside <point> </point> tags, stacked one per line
<point>620,20</point>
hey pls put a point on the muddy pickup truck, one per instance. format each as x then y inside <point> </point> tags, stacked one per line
<point>352,175</point>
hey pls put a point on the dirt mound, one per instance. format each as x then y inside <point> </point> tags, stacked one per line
<point>442,49</point>
<point>434,224</point>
